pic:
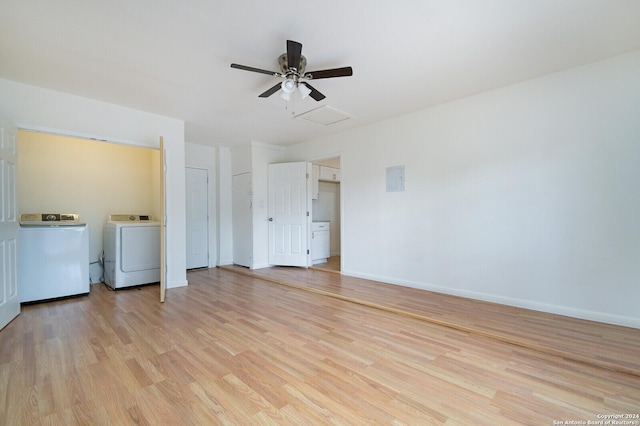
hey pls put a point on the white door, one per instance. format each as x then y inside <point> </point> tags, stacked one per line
<point>289,213</point>
<point>9,301</point>
<point>197,218</point>
<point>242,220</point>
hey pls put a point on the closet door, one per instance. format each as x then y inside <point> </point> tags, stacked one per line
<point>9,300</point>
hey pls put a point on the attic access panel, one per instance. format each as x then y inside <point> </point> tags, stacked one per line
<point>324,115</point>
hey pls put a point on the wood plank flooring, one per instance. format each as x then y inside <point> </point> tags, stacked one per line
<point>331,265</point>
<point>234,349</point>
<point>599,344</point>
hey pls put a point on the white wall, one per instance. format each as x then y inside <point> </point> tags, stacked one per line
<point>241,159</point>
<point>204,157</point>
<point>527,195</point>
<point>33,108</point>
<point>224,210</point>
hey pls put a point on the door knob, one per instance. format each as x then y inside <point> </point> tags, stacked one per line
<point>270,219</point>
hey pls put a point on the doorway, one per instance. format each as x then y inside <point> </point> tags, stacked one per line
<point>197,217</point>
<point>326,208</point>
<point>93,178</point>
<point>242,220</point>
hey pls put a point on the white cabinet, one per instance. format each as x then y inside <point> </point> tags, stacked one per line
<point>315,185</point>
<point>320,242</point>
<point>329,174</point>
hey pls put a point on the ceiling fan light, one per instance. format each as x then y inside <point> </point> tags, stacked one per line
<point>285,95</point>
<point>288,86</point>
<point>304,90</point>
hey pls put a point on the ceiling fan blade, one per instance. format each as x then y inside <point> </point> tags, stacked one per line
<point>335,72</point>
<point>314,93</point>
<point>270,92</point>
<point>252,69</point>
<point>294,52</point>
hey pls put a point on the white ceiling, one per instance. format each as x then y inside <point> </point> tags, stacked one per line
<point>172,57</point>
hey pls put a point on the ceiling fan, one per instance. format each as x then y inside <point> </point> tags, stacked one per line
<point>293,70</point>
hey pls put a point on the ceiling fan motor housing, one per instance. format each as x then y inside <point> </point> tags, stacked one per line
<point>284,65</point>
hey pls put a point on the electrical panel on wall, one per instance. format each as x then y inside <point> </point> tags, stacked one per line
<point>395,179</point>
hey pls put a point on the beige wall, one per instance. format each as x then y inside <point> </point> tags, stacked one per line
<point>58,174</point>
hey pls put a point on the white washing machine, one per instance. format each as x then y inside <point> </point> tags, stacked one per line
<point>131,250</point>
<point>53,256</point>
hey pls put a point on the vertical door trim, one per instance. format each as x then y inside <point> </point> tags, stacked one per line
<point>163,222</point>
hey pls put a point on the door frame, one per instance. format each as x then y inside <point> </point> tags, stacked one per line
<point>341,212</point>
<point>163,221</point>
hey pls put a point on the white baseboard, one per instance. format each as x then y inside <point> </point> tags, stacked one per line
<point>604,317</point>
<point>261,265</point>
<point>176,284</point>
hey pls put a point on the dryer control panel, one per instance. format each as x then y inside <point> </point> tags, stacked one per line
<point>130,218</point>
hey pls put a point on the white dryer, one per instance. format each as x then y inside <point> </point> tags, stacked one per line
<point>131,250</point>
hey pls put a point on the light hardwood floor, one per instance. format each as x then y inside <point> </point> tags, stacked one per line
<point>234,349</point>
<point>331,265</point>
<point>594,343</point>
